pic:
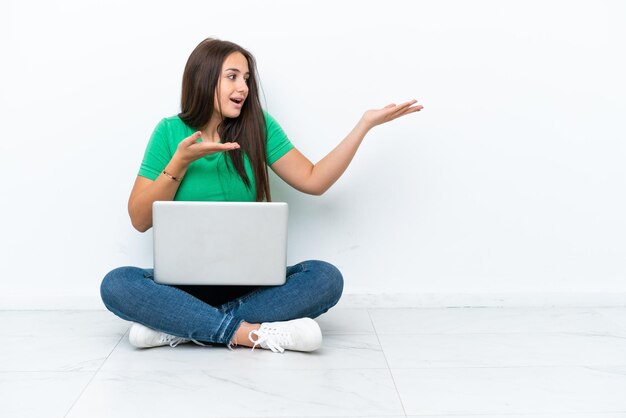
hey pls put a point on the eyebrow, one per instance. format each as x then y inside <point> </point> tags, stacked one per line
<point>234,69</point>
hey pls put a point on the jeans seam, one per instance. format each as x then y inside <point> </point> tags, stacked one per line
<point>230,305</point>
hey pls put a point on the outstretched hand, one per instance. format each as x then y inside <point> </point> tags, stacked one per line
<point>390,112</point>
<point>189,149</point>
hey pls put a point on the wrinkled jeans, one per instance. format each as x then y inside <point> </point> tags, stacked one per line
<point>312,288</point>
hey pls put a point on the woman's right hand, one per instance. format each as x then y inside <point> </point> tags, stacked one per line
<point>189,149</point>
<point>146,191</point>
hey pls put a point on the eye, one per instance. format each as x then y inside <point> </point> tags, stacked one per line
<point>231,76</point>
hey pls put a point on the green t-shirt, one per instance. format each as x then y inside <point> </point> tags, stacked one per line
<point>210,178</point>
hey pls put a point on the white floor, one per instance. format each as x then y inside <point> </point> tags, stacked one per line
<point>470,362</point>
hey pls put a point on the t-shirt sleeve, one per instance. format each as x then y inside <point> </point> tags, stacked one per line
<point>278,144</point>
<point>157,154</point>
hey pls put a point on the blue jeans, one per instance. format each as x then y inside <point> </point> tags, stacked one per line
<point>312,288</point>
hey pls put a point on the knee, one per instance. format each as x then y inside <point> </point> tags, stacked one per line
<point>330,280</point>
<point>115,284</point>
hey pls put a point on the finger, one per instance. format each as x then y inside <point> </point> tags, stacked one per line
<point>408,111</point>
<point>404,107</point>
<point>414,109</point>
<point>192,138</point>
<point>406,104</point>
<point>393,110</point>
<point>229,146</point>
<point>389,106</point>
<point>218,147</point>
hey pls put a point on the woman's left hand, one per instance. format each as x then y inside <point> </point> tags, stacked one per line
<point>390,112</point>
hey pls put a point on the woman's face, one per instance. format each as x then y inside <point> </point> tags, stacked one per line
<point>232,86</point>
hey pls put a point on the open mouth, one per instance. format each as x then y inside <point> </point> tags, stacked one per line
<point>237,101</point>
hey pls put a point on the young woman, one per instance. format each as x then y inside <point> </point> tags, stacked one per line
<point>218,149</point>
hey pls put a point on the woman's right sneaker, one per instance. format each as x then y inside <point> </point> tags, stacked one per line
<point>143,337</point>
<point>299,335</point>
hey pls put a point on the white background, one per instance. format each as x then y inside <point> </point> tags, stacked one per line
<point>510,182</point>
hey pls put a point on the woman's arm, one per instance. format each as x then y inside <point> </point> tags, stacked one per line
<point>146,191</point>
<point>297,171</point>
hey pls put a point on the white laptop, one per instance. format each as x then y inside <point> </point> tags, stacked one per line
<point>220,243</point>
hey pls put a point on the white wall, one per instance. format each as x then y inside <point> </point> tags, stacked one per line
<point>510,182</point>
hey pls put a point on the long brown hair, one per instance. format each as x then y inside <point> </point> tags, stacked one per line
<point>200,80</point>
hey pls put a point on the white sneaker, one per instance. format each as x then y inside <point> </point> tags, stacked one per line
<point>299,335</point>
<point>143,337</point>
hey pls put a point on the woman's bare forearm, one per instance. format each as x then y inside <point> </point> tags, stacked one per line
<point>146,192</point>
<point>328,170</point>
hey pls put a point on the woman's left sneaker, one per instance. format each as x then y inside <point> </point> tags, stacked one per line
<point>299,335</point>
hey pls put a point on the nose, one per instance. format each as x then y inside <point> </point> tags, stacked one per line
<point>242,87</point>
